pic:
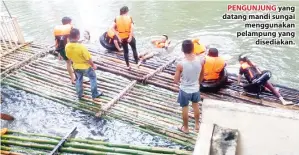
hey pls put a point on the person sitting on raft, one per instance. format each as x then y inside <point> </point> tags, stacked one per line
<point>110,36</point>
<point>214,66</point>
<point>61,33</point>
<point>256,78</point>
<point>161,43</point>
<point>199,48</point>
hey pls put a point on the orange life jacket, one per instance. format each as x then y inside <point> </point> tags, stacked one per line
<point>199,48</point>
<point>109,35</point>
<point>159,44</point>
<point>62,30</point>
<point>251,70</point>
<point>61,33</point>
<point>123,25</point>
<point>212,67</point>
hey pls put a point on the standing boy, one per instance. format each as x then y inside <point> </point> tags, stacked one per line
<point>61,33</point>
<point>189,74</point>
<point>82,64</point>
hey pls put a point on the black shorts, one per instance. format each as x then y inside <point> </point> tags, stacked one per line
<point>257,83</point>
<point>63,54</point>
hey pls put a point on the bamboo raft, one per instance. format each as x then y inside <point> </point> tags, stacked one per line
<point>17,55</point>
<point>152,107</point>
<point>17,143</point>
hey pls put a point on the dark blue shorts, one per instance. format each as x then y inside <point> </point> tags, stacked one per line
<point>184,98</point>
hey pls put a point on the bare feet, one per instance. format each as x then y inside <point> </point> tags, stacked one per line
<point>183,129</point>
<point>128,67</point>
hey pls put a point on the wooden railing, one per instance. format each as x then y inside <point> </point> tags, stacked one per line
<point>11,36</point>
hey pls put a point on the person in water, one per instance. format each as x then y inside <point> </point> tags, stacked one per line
<point>214,65</point>
<point>111,37</point>
<point>162,43</point>
<point>78,54</point>
<point>61,33</point>
<point>123,27</point>
<point>189,74</point>
<point>257,79</point>
<point>199,48</point>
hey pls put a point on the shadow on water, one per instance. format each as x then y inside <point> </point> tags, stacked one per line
<point>35,114</point>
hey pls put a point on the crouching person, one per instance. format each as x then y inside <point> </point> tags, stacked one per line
<point>82,64</point>
<point>189,74</point>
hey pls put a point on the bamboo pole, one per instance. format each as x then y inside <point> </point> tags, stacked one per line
<point>22,63</point>
<point>93,145</point>
<point>116,98</point>
<point>160,69</point>
<point>107,144</point>
<point>14,49</point>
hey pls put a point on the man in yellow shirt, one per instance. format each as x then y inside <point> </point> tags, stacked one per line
<point>82,64</point>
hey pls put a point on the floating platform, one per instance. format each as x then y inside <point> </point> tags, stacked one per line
<point>145,96</point>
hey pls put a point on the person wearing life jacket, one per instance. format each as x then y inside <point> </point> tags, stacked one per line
<point>162,43</point>
<point>123,27</point>
<point>111,37</point>
<point>61,33</point>
<point>214,65</point>
<point>256,78</point>
<point>199,48</point>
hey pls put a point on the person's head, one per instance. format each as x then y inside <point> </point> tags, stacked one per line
<point>164,38</point>
<point>123,10</point>
<point>187,47</point>
<point>66,20</point>
<point>213,52</point>
<point>74,34</point>
<point>243,58</point>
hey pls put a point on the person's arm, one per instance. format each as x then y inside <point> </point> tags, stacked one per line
<point>90,62</point>
<point>131,32</point>
<point>240,76</point>
<point>114,29</point>
<point>178,72</point>
<point>88,58</point>
<point>202,73</point>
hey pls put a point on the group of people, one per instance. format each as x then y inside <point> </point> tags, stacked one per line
<point>195,68</point>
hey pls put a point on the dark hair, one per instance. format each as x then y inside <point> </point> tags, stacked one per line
<point>66,20</point>
<point>74,33</point>
<point>165,36</point>
<point>187,46</point>
<point>123,10</point>
<point>213,52</point>
<point>245,59</point>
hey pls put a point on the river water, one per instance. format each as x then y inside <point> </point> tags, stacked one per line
<point>179,20</point>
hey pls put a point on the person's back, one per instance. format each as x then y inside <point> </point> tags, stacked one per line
<point>82,63</point>
<point>79,55</point>
<point>190,74</point>
<point>214,65</point>
<point>199,48</point>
